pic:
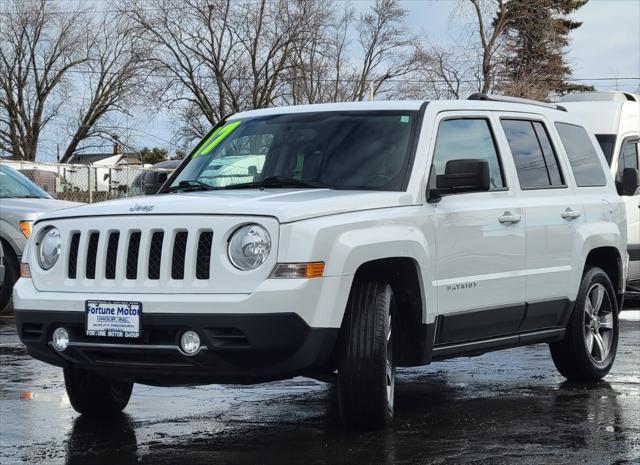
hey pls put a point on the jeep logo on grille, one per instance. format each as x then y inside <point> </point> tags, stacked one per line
<point>141,208</point>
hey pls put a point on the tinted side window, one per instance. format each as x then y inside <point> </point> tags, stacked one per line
<point>549,153</point>
<point>464,139</point>
<point>628,159</point>
<point>583,157</point>
<point>532,153</point>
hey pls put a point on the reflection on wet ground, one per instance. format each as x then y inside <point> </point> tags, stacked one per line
<point>501,408</point>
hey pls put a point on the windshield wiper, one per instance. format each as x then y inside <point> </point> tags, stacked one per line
<point>190,186</point>
<point>278,181</point>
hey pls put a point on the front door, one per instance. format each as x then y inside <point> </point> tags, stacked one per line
<point>480,239</point>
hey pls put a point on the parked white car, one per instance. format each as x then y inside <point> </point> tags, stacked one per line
<point>374,235</point>
<point>614,117</point>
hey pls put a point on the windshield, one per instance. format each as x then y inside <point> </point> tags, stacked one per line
<point>607,143</point>
<point>338,150</point>
<point>15,185</point>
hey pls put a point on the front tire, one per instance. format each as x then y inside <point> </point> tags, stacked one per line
<point>94,395</point>
<point>589,348</point>
<point>367,366</point>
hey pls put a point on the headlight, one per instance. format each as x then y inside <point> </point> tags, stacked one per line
<point>249,247</point>
<point>49,247</point>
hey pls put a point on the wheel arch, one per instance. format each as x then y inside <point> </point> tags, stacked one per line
<point>403,274</point>
<point>608,258</point>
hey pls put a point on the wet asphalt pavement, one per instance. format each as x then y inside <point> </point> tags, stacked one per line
<point>501,408</point>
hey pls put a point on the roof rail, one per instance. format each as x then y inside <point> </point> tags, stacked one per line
<point>504,98</point>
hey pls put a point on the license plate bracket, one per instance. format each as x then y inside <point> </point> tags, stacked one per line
<point>109,318</point>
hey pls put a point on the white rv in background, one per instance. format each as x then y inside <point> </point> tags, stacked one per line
<point>614,118</point>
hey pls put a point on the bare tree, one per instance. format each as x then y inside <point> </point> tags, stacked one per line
<point>112,80</point>
<point>216,57</point>
<point>39,45</point>
<point>327,68</point>
<point>388,51</point>
<point>492,19</point>
<point>320,64</point>
<point>194,56</point>
<point>270,33</point>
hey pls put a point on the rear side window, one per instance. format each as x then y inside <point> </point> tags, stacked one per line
<point>583,157</point>
<point>607,143</point>
<point>533,154</point>
<point>467,138</point>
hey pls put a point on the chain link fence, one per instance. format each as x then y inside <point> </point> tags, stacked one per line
<point>91,183</point>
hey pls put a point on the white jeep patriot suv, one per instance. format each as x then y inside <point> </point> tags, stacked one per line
<point>360,237</point>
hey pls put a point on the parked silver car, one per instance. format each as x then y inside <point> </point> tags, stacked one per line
<point>21,202</point>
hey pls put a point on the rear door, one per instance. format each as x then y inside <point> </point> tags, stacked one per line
<point>553,213</point>
<point>480,238</point>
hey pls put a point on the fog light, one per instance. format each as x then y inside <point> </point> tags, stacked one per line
<point>190,342</point>
<point>60,339</point>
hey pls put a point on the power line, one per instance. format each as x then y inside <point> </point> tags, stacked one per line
<point>333,80</point>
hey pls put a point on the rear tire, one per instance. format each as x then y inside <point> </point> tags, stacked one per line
<point>366,369</point>
<point>94,395</point>
<point>589,348</point>
<point>11,272</point>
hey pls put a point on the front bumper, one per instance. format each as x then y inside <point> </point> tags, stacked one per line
<point>238,349</point>
<point>283,329</point>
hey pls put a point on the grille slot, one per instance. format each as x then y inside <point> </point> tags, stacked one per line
<point>227,337</point>
<point>112,251</point>
<point>73,255</point>
<point>92,251</point>
<point>179,253</point>
<point>132,255</point>
<point>32,331</point>
<point>155,254</point>
<point>204,255</point>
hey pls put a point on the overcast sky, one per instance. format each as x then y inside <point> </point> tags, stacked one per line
<point>606,46</point>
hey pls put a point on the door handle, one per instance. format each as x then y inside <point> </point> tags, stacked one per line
<point>509,218</point>
<point>570,214</point>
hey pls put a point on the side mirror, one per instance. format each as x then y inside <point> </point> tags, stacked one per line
<point>629,181</point>
<point>464,175</point>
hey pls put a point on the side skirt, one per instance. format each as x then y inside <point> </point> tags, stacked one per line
<point>471,348</point>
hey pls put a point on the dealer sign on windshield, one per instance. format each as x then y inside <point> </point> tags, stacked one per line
<point>113,319</point>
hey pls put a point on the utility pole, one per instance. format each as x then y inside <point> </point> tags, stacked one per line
<point>371,91</point>
<point>57,153</point>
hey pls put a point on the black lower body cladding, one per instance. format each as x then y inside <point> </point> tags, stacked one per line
<point>241,349</point>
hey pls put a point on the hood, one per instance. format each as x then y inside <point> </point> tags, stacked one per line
<point>31,208</point>
<point>286,205</point>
